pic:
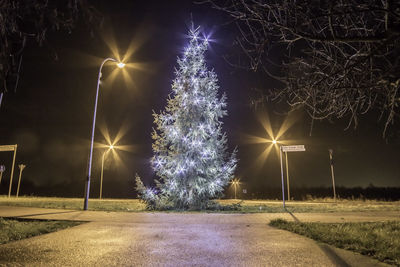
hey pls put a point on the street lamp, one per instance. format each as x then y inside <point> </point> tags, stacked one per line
<point>102,168</point>
<point>274,141</point>
<point>21,168</point>
<point>87,186</point>
<point>235,183</point>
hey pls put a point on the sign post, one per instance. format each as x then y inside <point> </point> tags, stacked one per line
<point>283,185</point>
<point>2,169</point>
<point>10,148</point>
<point>295,148</point>
<point>21,168</point>
<point>287,177</point>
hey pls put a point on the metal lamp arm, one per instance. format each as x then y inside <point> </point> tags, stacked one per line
<point>87,189</point>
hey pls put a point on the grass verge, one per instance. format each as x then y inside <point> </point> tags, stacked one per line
<point>223,206</point>
<point>74,203</point>
<point>380,240</point>
<point>17,229</point>
<point>316,206</point>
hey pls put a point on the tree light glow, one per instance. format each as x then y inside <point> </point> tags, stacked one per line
<point>190,149</point>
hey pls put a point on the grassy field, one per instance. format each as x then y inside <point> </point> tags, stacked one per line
<point>247,206</point>
<point>318,205</point>
<point>12,229</point>
<point>74,203</point>
<point>380,240</point>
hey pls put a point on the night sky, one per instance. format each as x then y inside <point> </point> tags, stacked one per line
<point>50,115</point>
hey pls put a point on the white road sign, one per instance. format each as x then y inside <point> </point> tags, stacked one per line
<point>293,148</point>
<point>7,148</point>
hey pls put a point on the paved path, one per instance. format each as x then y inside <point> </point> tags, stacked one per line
<point>177,239</point>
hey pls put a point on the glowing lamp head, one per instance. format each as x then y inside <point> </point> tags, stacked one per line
<point>111,147</point>
<point>120,65</point>
<point>274,142</point>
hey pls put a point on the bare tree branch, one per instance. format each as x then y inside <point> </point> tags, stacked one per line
<point>341,59</point>
<point>26,21</point>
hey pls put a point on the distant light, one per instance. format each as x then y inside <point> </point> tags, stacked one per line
<point>235,182</point>
<point>111,147</point>
<point>120,65</point>
<point>274,142</point>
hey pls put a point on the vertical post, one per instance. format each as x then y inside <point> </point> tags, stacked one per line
<point>12,171</point>
<point>2,169</point>
<point>332,173</point>
<point>235,188</point>
<point>287,177</point>
<point>87,185</point>
<point>101,175</point>
<point>21,168</point>
<point>283,185</point>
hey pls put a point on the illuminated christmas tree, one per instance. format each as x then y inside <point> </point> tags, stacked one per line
<point>190,149</point>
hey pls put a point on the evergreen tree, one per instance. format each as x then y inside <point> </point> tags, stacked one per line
<point>190,150</point>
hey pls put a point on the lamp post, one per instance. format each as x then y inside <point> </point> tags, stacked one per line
<point>235,184</point>
<point>332,173</point>
<point>275,142</point>
<point>102,168</point>
<point>89,170</point>
<point>21,168</point>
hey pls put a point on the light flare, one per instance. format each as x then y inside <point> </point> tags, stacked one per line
<point>288,122</point>
<point>271,141</point>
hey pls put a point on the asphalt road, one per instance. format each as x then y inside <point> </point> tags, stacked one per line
<point>176,239</point>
